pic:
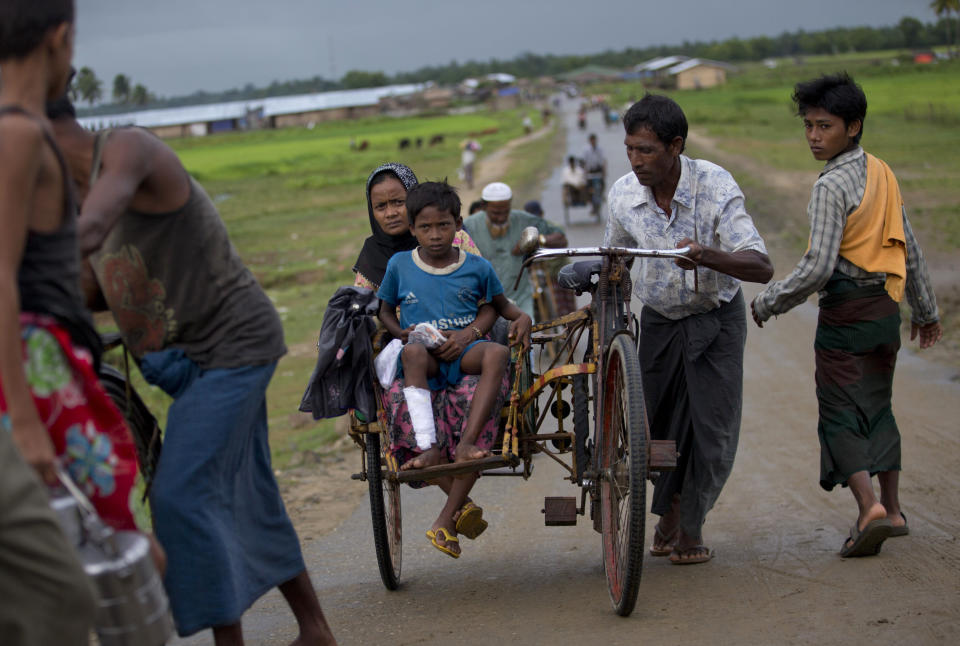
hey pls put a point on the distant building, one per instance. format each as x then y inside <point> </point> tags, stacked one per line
<point>270,112</point>
<point>698,73</point>
<point>506,98</point>
<point>682,72</point>
<point>655,69</point>
<point>592,74</point>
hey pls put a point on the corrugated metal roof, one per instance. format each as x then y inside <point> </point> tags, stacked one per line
<point>271,106</point>
<point>659,63</point>
<point>694,62</point>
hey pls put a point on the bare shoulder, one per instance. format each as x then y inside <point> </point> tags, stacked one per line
<point>20,134</point>
<point>127,142</point>
<point>140,146</point>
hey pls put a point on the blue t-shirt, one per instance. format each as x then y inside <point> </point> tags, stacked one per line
<point>448,298</point>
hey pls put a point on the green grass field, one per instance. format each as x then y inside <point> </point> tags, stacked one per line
<point>913,123</point>
<point>293,201</point>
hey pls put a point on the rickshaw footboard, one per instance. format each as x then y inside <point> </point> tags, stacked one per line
<point>454,468</point>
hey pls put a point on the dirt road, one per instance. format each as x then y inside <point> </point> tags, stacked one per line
<point>776,578</point>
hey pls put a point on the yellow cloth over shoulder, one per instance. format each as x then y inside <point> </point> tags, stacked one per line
<point>873,238</point>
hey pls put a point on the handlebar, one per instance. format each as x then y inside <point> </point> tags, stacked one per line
<point>543,254</point>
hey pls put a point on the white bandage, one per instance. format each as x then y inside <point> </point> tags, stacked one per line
<point>421,416</point>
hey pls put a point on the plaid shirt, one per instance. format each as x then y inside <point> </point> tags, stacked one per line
<point>837,193</point>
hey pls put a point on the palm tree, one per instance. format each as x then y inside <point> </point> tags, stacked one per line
<point>944,8</point>
<point>121,88</point>
<point>88,86</point>
<point>140,95</point>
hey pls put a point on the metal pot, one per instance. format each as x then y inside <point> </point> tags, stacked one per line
<point>133,609</point>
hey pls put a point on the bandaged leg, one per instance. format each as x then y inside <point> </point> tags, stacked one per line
<point>421,416</point>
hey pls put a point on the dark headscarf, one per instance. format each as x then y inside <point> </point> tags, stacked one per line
<point>380,247</point>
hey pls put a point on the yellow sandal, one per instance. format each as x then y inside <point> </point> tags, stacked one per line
<point>470,523</point>
<point>447,538</point>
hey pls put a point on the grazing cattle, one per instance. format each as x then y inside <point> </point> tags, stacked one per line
<point>436,139</point>
<point>419,142</point>
<point>404,144</point>
<point>363,145</point>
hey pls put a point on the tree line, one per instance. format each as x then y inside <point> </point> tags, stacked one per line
<point>86,86</point>
<point>909,33</point>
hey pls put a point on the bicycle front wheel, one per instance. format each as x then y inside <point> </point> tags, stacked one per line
<point>623,472</point>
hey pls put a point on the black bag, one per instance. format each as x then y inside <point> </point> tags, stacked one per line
<point>343,376</point>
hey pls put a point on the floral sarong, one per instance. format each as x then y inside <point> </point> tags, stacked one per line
<point>451,407</point>
<point>90,436</point>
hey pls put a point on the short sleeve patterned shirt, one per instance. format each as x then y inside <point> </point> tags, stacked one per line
<point>708,207</point>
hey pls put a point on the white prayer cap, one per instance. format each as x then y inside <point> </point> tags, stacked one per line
<point>496,192</point>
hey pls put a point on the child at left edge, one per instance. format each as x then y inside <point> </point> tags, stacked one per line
<point>439,284</point>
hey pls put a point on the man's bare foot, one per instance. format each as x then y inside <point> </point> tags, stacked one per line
<point>466,451</point>
<point>876,512</point>
<point>663,541</point>
<point>897,519</point>
<point>690,555</point>
<point>428,458</point>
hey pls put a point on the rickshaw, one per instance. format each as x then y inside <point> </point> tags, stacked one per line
<point>573,198</point>
<point>604,449</point>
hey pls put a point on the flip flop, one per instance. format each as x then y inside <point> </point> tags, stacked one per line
<point>470,523</point>
<point>677,555</point>
<point>447,538</point>
<point>869,541</point>
<point>667,541</point>
<point>903,530</point>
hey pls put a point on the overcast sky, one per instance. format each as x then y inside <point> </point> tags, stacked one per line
<point>179,46</point>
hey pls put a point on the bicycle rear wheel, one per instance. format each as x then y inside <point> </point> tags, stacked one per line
<point>385,513</point>
<point>623,472</point>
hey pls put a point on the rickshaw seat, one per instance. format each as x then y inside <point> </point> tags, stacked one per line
<point>578,276</point>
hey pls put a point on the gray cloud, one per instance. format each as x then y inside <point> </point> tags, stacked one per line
<point>179,46</point>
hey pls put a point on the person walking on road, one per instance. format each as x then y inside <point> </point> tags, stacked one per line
<point>149,230</point>
<point>693,322</point>
<point>595,165</point>
<point>45,596</point>
<point>863,259</point>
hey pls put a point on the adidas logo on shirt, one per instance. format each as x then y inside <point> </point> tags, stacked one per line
<point>411,299</point>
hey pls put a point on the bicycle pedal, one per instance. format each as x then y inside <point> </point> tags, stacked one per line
<point>559,510</point>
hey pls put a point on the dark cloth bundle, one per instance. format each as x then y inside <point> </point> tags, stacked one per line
<point>343,376</point>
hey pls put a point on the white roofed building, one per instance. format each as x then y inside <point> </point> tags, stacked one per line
<point>271,112</point>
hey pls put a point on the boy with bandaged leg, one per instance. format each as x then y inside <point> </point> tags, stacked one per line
<point>439,284</point>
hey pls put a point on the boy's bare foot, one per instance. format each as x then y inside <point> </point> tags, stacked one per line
<point>445,539</point>
<point>466,451</point>
<point>876,512</point>
<point>428,458</point>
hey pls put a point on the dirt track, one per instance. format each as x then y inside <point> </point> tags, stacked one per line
<point>776,579</point>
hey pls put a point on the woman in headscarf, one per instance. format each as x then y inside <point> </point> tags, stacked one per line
<point>387,189</point>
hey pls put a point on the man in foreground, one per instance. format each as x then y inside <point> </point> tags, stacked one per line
<point>202,329</point>
<point>45,596</point>
<point>862,259</point>
<point>496,232</point>
<point>693,323</point>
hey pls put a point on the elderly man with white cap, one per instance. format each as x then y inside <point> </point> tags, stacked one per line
<point>496,232</point>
